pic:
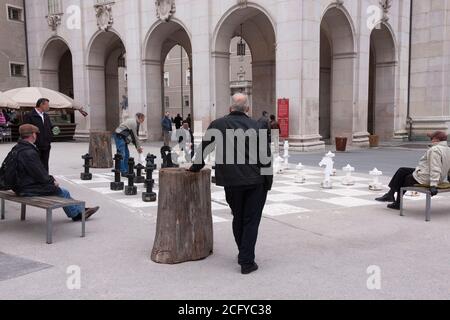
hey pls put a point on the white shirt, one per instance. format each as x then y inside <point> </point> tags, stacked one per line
<point>41,114</point>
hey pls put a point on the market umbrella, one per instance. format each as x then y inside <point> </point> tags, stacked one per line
<point>6,102</point>
<point>28,96</point>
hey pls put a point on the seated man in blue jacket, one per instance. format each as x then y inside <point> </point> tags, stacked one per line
<point>33,179</point>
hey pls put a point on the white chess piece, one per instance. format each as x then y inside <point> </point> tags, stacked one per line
<point>328,163</point>
<point>286,154</point>
<point>348,180</point>
<point>300,177</point>
<point>376,184</point>
<point>277,169</point>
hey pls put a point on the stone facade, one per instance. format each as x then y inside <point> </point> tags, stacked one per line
<point>12,46</point>
<point>323,55</point>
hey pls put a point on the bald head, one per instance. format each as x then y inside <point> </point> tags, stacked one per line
<point>240,102</point>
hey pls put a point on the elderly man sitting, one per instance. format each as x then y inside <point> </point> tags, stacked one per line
<point>433,169</point>
<point>33,179</point>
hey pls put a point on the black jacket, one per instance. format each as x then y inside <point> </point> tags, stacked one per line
<point>45,136</point>
<point>32,178</point>
<point>233,175</point>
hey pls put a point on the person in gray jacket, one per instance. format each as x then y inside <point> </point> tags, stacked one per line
<point>126,133</point>
<point>433,169</point>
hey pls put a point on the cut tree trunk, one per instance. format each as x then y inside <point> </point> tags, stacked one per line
<point>100,149</point>
<point>184,229</point>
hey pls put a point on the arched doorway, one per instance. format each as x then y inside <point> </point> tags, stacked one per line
<point>56,67</point>
<point>167,40</point>
<point>382,86</point>
<point>107,80</point>
<point>337,59</point>
<point>257,30</point>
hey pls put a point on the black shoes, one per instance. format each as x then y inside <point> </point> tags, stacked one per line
<point>249,268</point>
<point>394,206</point>
<point>89,213</point>
<point>386,198</point>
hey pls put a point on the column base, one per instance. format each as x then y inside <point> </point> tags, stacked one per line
<point>306,143</point>
<point>401,136</point>
<point>361,140</point>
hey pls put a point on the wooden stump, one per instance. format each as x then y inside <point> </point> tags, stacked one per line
<point>184,230</point>
<point>100,149</point>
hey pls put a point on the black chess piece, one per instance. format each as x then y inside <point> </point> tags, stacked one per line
<point>166,156</point>
<point>149,195</point>
<point>139,178</point>
<point>213,178</point>
<point>117,185</point>
<point>131,189</point>
<point>86,175</point>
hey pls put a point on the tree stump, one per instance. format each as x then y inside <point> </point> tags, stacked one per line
<point>184,229</point>
<point>100,149</point>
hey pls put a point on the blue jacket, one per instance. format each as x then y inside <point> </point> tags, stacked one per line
<point>166,124</point>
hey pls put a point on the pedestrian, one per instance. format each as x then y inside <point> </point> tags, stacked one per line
<point>178,121</point>
<point>166,124</point>
<point>246,184</point>
<point>433,169</point>
<point>275,133</point>
<point>126,133</point>
<point>186,141</point>
<point>40,119</point>
<point>189,120</point>
<point>4,118</point>
<point>264,122</point>
<point>33,180</point>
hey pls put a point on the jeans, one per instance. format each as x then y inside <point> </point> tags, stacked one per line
<point>71,211</point>
<point>122,149</point>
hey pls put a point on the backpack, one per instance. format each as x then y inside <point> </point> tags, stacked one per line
<point>8,171</point>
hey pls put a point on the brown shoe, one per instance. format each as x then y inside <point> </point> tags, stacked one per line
<point>88,213</point>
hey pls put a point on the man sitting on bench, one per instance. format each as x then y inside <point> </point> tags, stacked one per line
<point>32,178</point>
<point>433,169</point>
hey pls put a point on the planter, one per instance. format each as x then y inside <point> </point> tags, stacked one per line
<point>374,141</point>
<point>341,144</point>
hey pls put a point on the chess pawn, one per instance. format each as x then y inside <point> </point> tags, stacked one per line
<point>348,180</point>
<point>328,163</point>
<point>286,155</point>
<point>300,177</point>
<point>376,185</point>
<point>277,166</point>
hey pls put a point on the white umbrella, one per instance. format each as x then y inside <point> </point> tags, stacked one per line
<point>6,102</point>
<point>28,96</point>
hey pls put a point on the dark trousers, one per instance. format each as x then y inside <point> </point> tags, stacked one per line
<point>45,158</point>
<point>403,178</point>
<point>247,204</point>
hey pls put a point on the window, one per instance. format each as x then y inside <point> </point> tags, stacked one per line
<point>166,103</point>
<point>15,13</point>
<point>188,77</point>
<point>186,101</point>
<point>166,79</point>
<point>17,70</point>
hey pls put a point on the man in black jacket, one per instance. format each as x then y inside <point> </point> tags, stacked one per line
<point>39,118</point>
<point>243,167</point>
<point>33,179</point>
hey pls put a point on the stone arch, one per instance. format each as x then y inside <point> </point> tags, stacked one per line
<point>337,55</point>
<point>259,33</point>
<point>160,40</point>
<point>56,66</point>
<point>104,51</point>
<point>382,82</point>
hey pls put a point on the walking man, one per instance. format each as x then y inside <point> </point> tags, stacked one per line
<point>126,133</point>
<point>39,118</point>
<point>246,184</point>
<point>166,124</point>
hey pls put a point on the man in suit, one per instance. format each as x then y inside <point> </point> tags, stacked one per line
<point>39,118</point>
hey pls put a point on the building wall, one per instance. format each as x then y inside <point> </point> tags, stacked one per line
<point>430,67</point>
<point>285,41</point>
<point>12,47</point>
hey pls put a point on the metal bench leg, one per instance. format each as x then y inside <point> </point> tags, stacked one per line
<point>2,209</point>
<point>23,212</point>
<point>49,226</point>
<point>401,202</point>
<point>83,221</point>
<point>428,208</point>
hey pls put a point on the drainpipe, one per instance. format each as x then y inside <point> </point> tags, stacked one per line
<point>26,42</point>
<point>408,116</point>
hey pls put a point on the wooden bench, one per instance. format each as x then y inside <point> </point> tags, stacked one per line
<point>47,203</point>
<point>425,190</point>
